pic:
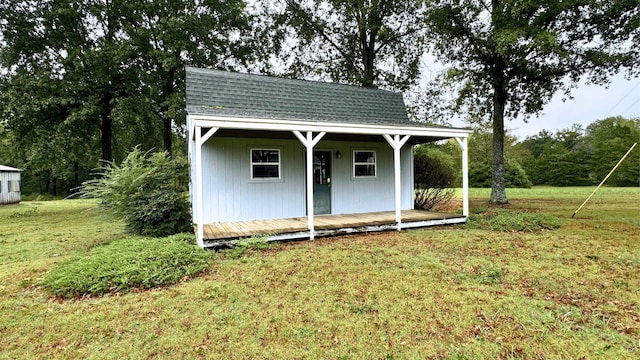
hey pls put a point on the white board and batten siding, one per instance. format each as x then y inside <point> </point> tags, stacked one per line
<point>229,193</point>
<point>350,195</point>
<point>9,185</point>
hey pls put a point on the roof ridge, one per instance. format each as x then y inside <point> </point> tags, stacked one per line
<point>276,77</point>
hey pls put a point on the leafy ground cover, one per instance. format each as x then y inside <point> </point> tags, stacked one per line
<point>126,265</point>
<point>512,220</point>
<point>451,292</point>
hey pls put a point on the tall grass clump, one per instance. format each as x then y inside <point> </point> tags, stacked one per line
<point>123,265</point>
<point>149,191</point>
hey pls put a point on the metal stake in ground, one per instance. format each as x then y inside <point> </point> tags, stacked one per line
<point>605,179</point>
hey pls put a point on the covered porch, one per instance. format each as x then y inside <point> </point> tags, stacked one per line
<point>205,128</point>
<point>221,233</point>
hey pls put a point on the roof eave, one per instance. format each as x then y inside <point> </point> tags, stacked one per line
<point>246,123</point>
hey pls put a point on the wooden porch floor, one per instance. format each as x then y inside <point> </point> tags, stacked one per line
<point>293,228</point>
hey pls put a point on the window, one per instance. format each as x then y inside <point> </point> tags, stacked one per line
<point>14,185</point>
<point>364,163</point>
<point>265,164</point>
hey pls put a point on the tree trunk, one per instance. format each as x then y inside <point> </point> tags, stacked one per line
<point>76,181</point>
<point>367,39</point>
<point>498,191</point>
<point>52,188</point>
<point>167,134</point>
<point>47,179</point>
<point>106,127</point>
<point>167,131</point>
<point>369,60</point>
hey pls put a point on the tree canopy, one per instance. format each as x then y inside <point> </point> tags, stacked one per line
<point>87,80</point>
<point>374,43</point>
<point>506,58</point>
<point>106,75</point>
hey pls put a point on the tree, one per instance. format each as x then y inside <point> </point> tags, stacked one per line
<point>560,159</point>
<point>46,141</point>
<point>610,139</point>
<point>480,161</point>
<point>363,42</point>
<point>171,34</point>
<point>507,58</point>
<point>5,146</point>
<point>74,48</point>
<point>85,80</point>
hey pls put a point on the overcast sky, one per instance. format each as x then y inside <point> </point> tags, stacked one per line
<point>589,103</point>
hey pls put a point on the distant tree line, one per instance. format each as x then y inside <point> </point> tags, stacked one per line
<point>570,157</point>
<point>577,156</point>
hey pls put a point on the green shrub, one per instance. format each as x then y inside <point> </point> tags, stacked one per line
<point>159,212</point>
<point>433,180</point>
<point>480,175</point>
<point>149,191</point>
<point>508,220</point>
<point>131,263</point>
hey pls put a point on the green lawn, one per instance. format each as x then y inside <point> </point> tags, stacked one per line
<point>450,292</point>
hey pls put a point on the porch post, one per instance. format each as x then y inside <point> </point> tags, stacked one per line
<point>190,142</point>
<point>200,140</point>
<point>396,143</point>
<point>462,142</point>
<point>309,142</point>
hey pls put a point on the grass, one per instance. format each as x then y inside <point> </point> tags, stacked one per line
<point>449,293</point>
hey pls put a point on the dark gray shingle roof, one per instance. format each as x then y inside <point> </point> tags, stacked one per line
<point>215,92</point>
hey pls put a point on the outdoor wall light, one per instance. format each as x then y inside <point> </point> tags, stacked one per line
<point>338,155</point>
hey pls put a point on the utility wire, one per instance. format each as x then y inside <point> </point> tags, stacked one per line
<point>625,110</point>
<point>619,101</point>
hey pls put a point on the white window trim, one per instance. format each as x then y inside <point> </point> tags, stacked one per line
<point>11,186</point>
<point>279,163</point>
<point>354,163</point>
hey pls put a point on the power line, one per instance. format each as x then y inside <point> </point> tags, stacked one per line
<point>625,110</point>
<point>619,101</point>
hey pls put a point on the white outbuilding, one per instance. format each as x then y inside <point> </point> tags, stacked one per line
<point>9,185</point>
<point>294,159</point>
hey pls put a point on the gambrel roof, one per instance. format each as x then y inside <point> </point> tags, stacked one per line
<point>223,93</point>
